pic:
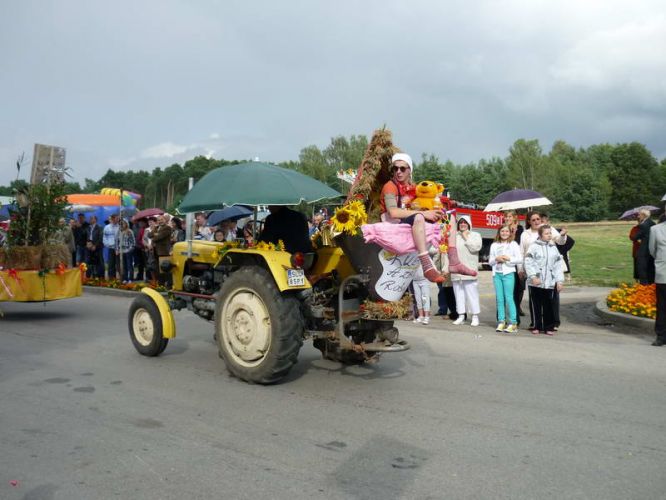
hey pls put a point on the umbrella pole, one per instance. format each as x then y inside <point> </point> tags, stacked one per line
<point>119,254</point>
<point>188,223</point>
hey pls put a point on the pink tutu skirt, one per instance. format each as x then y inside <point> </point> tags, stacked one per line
<point>397,238</point>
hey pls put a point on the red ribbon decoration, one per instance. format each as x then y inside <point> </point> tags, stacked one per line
<point>60,270</point>
<point>13,273</point>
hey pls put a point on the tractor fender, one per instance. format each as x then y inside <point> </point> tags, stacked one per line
<point>168,323</point>
<point>277,263</point>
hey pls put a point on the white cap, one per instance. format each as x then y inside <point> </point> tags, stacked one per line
<point>404,157</point>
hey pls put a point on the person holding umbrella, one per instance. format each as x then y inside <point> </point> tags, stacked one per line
<point>644,261</point>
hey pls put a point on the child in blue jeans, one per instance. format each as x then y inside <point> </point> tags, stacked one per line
<point>504,256</point>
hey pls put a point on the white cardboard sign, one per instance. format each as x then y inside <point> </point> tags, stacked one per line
<point>398,273</point>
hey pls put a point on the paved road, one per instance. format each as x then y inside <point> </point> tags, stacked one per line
<point>465,414</point>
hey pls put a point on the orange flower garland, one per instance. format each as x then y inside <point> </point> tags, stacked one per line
<point>637,300</point>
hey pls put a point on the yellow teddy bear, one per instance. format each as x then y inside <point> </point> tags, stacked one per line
<point>427,196</point>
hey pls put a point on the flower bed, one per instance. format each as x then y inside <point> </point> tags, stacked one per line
<point>135,286</point>
<point>637,300</point>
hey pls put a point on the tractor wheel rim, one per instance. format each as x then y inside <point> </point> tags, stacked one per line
<point>246,327</point>
<point>144,328</point>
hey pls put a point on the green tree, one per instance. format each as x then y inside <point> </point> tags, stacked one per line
<point>313,163</point>
<point>466,184</point>
<point>598,157</point>
<point>432,170</point>
<point>527,166</point>
<point>13,188</point>
<point>580,194</point>
<point>343,153</point>
<point>634,176</point>
<point>90,186</point>
<point>564,153</point>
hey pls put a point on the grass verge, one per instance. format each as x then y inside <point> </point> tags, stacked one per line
<point>602,253</point>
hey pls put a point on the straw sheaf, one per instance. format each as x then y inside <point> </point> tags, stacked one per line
<point>22,258</point>
<point>54,255</point>
<point>374,172</point>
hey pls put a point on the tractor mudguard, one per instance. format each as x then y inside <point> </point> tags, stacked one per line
<point>277,262</point>
<point>168,323</point>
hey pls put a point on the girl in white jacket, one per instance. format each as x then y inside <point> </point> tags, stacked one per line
<point>505,255</point>
<point>543,266</point>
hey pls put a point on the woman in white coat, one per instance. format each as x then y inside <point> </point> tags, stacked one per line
<point>466,288</point>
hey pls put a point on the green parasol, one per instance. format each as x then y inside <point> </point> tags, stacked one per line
<point>253,183</point>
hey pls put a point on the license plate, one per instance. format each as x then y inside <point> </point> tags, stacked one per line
<point>295,277</point>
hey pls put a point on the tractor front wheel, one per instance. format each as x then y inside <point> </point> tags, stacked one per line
<point>145,326</point>
<point>259,331</point>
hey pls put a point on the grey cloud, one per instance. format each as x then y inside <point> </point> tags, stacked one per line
<point>459,79</point>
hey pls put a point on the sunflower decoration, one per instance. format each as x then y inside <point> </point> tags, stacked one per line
<point>349,218</point>
<point>263,246</point>
<point>220,251</point>
<point>267,246</point>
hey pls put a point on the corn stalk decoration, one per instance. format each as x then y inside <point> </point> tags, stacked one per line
<point>374,172</point>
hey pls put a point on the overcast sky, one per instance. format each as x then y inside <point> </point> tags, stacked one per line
<point>140,84</point>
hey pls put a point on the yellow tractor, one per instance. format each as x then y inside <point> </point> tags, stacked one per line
<point>265,302</point>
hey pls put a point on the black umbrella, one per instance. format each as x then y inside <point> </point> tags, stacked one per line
<point>633,213</point>
<point>234,212</point>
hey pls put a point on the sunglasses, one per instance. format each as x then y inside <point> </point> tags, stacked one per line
<point>402,169</point>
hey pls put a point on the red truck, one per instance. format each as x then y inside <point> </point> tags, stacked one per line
<point>484,223</point>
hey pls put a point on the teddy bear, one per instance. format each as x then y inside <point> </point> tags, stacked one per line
<point>427,196</point>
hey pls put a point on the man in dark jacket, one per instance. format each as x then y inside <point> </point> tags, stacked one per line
<point>289,226</point>
<point>94,247</point>
<point>161,240</point>
<point>81,231</point>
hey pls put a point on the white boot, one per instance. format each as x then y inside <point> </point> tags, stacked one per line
<point>475,320</point>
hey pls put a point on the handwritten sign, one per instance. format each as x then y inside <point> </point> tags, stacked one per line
<point>398,273</point>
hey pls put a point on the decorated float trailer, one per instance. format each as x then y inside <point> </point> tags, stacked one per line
<point>34,267</point>
<point>47,279</point>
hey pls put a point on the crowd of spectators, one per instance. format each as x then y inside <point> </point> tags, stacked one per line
<point>122,250</point>
<point>125,251</point>
<point>533,258</point>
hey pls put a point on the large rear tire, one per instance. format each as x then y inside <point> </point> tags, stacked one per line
<point>259,331</point>
<point>145,326</point>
